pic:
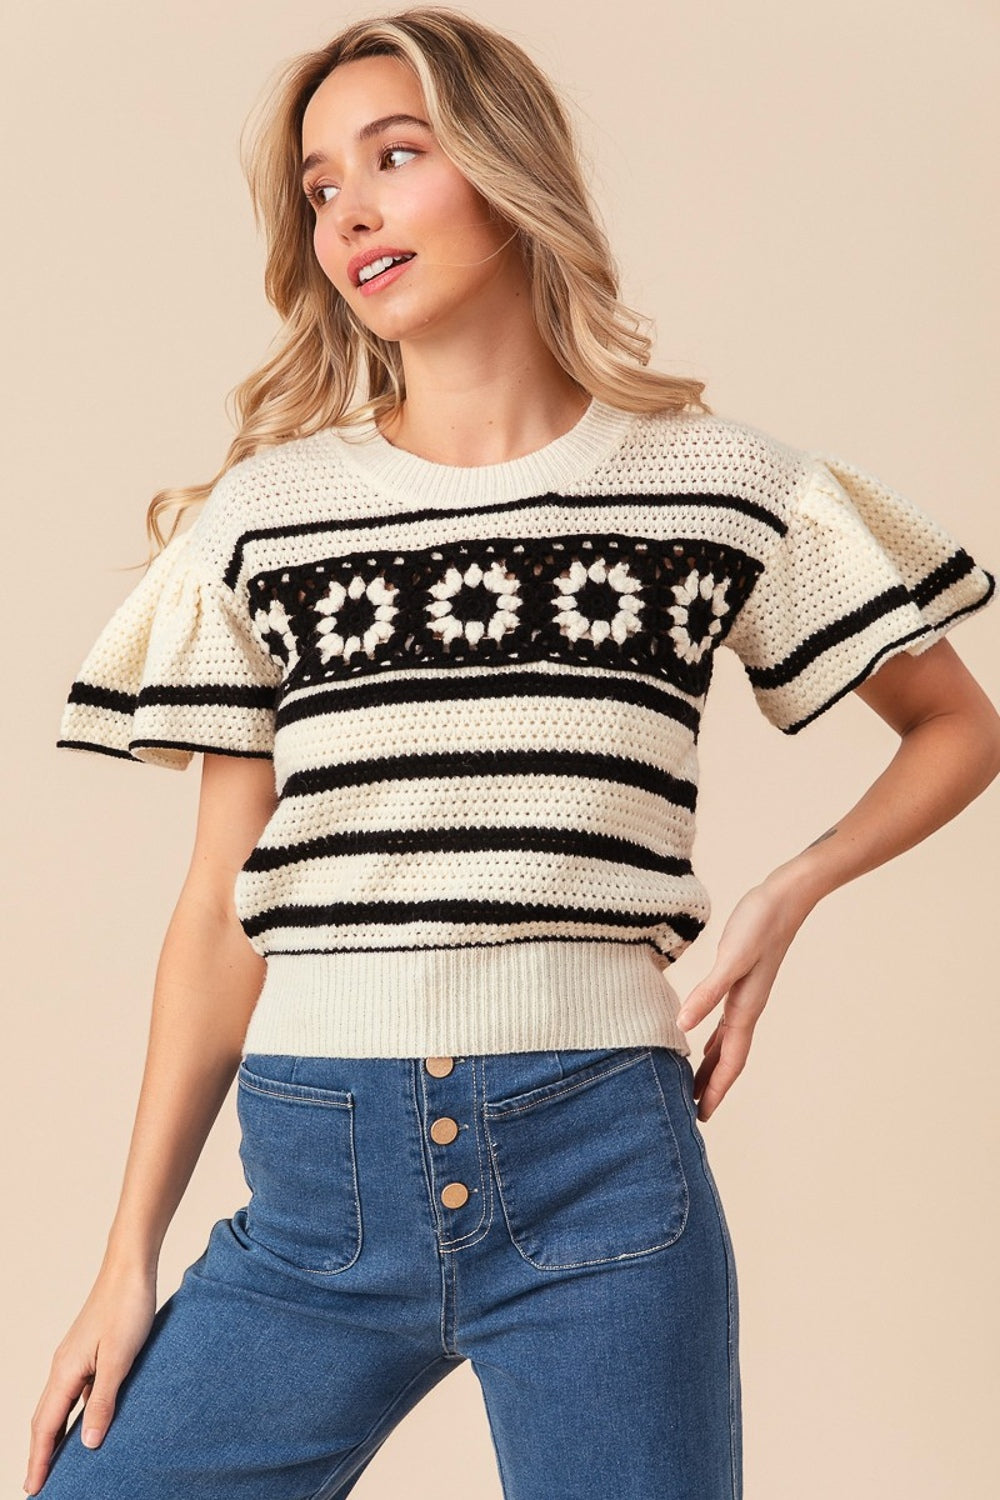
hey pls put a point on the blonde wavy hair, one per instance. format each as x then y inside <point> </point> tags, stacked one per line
<point>502,123</point>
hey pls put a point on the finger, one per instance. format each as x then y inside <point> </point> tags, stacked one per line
<point>714,1041</point>
<point>721,1079</point>
<point>702,999</point>
<point>48,1424</point>
<point>724,1061</point>
<point>727,983</point>
<point>709,1054</point>
<point>100,1407</point>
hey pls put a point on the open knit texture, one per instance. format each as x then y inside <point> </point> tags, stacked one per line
<point>481,690</point>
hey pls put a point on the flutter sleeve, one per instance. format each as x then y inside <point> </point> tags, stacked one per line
<point>177,669</point>
<point>860,574</point>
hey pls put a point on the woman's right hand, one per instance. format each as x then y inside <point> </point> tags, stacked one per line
<point>92,1360</point>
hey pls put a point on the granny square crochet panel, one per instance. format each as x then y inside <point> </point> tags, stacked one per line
<point>481,690</point>
<point>617,602</point>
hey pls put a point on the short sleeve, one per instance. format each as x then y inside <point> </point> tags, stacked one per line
<point>177,669</point>
<point>860,574</point>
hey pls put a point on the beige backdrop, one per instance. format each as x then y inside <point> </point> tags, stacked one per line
<point>803,197</point>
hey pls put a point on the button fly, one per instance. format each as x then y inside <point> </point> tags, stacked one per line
<point>456,1154</point>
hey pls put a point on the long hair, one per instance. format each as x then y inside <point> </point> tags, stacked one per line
<point>500,120</point>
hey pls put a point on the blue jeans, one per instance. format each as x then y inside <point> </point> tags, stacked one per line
<point>550,1216</point>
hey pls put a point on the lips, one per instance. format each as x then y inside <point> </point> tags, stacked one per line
<point>378,252</point>
<point>379,284</point>
<point>394,265</point>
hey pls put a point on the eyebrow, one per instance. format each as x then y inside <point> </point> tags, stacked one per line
<point>366,133</point>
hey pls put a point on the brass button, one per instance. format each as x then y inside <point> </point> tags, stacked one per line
<point>454,1195</point>
<point>444,1130</point>
<point>439,1067</point>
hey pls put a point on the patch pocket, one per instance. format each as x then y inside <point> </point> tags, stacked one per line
<point>298,1153</point>
<point>588,1167</point>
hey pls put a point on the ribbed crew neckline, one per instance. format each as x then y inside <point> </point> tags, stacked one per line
<point>595,435</point>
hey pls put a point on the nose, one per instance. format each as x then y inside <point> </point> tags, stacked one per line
<point>351,213</point>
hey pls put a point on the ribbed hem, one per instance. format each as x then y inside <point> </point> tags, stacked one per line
<point>516,997</point>
<point>557,465</point>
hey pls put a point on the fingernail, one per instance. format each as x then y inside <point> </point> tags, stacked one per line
<point>92,1437</point>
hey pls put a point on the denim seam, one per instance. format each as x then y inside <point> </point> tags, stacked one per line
<point>730,1287</point>
<point>678,1159</point>
<point>435,1223</point>
<point>274,1093</point>
<point>536,1096</point>
<point>480,1230</point>
<point>295,1092</point>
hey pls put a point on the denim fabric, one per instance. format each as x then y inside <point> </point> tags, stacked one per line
<point>584,1267</point>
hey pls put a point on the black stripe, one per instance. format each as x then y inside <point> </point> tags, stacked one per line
<point>219,695</point>
<point>542,937</point>
<point>944,575</point>
<point>380,913</point>
<point>901,640</point>
<point>196,749</point>
<point>619,769</point>
<point>452,685</point>
<point>99,697</point>
<point>733,503</point>
<point>102,749</point>
<point>548,840</point>
<point>856,621</point>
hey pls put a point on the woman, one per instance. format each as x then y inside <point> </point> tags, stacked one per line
<point>445,651</point>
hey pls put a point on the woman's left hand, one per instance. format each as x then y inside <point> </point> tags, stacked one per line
<point>754,941</point>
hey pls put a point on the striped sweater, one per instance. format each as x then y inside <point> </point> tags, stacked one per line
<point>481,689</point>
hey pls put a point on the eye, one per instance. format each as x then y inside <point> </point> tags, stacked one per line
<point>314,190</point>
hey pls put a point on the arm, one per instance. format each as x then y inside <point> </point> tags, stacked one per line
<point>949,752</point>
<point>207,982</point>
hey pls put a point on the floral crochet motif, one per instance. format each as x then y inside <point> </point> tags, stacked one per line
<point>358,617</point>
<point>499,610</point>
<point>691,638</point>
<point>276,632</point>
<point>620,602</point>
<point>581,585</point>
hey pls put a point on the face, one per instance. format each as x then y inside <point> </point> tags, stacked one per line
<point>398,190</point>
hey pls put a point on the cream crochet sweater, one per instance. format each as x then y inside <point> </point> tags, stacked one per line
<point>481,691</point>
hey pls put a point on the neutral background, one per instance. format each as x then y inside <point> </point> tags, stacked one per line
<point>803,198</point>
